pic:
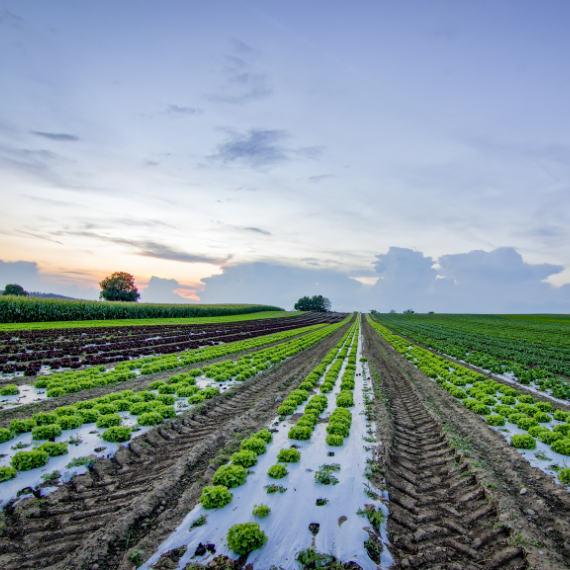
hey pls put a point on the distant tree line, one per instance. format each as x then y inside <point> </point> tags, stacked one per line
<point>314,303</point>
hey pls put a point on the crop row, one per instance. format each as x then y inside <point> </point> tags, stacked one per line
<point>531,351</point>
<point>74,381</point>
<point>150,408</point>
<point>497,403</point>
<point>28,351</point>
<point>15,309</point>
<point>285,535</point>
<point>86,325</point>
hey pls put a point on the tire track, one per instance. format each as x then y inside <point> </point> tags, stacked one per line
<point>440,514</point>
<point>98,516</point>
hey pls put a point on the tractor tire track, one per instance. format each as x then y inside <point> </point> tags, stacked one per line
<point>440,514</point>
<point>97,517</point>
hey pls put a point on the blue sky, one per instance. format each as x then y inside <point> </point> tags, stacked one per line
<point>246,149</point>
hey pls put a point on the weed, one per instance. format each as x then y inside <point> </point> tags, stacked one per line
<point>51,476</point>
<point>375,516</point>
<point>200,521</point>
<point>261,511</point>
<point>20,445</point>
<point>542,455</point>
<point>80,461</point>
<point>75,440</point>
<point>135,556</point>
<point>324,474</point>
<point>370,492</point>
<point>271,489</point>
<point>321,502</point>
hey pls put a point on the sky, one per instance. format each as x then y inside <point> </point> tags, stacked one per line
<point>386,154</point>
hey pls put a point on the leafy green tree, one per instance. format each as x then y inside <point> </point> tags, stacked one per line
<point>15,290</point>
<point>314,303</point>
<point>120,286</point>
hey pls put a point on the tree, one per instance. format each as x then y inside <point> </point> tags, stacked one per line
<point>409,312</point>
<point>314,303</point>
<point>119,287</point>
<point>14,289</point>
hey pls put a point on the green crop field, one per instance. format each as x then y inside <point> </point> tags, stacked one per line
<point>535,348</point>
<point>143,322</point>
<point>33,310</point>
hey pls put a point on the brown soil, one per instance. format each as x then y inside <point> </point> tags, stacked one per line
<point>136,499</point>
<point>454,484</point>
<point>137,384</point>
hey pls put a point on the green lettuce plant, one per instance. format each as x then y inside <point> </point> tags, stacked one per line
<point>46,432</point>
<point>150,419</point>
<point>6,473</point>
<point>117,434</point>
<point>215,497</point>
<point>253,444</point>
<point>261,511</point>
<point>109,420</point>
<point>290,455</point>
<point>246,537</point>
<point>277,471</point>
<point>54,449</point>
<point>523,441</point>
<point>244,458</point>
<point>230,476</point>
<point>26,460</point>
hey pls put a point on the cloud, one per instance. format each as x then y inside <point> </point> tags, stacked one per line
<point>257,147</point>
<point>279,285</point>
<point>161,291</point>
<point>176,110</point>
<point>265,233</point>
<point>243,83</point>
<point>319,178</point>
<point>10,19</point>
<point>151,163</point>
<point>27,274</point>
<point>498,281</point>
<point>56,136</point>
<point>148,248</point>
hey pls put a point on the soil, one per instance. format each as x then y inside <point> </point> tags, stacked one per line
<point>454,484</point>
<point>135,500</point>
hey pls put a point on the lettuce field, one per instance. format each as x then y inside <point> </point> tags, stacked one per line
<point>273,440</point>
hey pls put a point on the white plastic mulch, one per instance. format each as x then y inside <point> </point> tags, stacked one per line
<point>287,526</point>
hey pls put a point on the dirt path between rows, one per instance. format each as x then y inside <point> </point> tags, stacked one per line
<point>135,500</point>
<point>455,484</point>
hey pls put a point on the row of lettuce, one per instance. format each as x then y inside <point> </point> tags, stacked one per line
<point>71,381</point>
<point>497,403</point>
<point>246,537</point>
<point>150,408</point>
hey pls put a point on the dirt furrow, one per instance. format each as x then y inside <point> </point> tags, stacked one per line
<point>146,488</point>
<point>441,516</point>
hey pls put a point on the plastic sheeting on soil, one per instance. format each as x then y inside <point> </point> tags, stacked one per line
<point>287,526</point>
<point>91,440</point>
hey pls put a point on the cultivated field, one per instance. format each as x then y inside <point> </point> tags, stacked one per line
<point>293,441</point>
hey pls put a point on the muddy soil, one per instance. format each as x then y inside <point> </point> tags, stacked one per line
<point>137,384</point>
<point>134,501</point>
<point>455,485</point>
